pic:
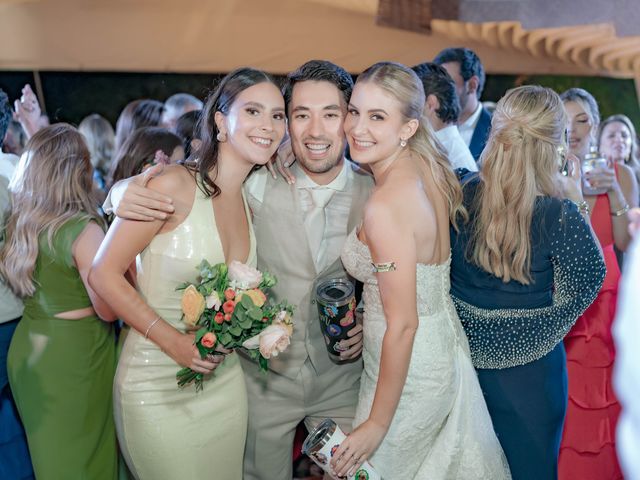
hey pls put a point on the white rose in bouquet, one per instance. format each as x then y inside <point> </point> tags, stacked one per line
<point>271,341</point>
<point>243,276</point>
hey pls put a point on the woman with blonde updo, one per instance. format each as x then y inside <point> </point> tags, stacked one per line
<point>523,269</point>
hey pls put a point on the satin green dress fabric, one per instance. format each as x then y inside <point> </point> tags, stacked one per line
<point>61,371</point>
<point>167,433</point>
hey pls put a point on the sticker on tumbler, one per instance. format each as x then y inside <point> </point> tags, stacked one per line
<point>361,475</point>
<point>333,330</point>
<point>347,319</point>
<point>331,310</point>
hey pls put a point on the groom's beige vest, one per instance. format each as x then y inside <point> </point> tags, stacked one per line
<point>283,250</point>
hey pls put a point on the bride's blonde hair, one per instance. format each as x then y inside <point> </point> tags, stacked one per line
<point>404,85</point>
<point>519,163</point>
<point>53,183</point>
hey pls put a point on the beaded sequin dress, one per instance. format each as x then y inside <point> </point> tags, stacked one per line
<point>441,428</point>
<point>167,433</point>
<point>515,330</point>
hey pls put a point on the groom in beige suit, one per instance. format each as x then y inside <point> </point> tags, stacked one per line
<point>300,228</point>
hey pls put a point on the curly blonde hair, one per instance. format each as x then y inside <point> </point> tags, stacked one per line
<point>52,184</point>
<point>519,163</point>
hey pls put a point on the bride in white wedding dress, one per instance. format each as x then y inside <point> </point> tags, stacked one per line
<point>421,413</point>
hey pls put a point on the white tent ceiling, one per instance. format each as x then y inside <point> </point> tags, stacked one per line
<point>278,35</point>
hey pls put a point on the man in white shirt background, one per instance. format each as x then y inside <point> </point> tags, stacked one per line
<point>442,108</point>
<point>467,72</point>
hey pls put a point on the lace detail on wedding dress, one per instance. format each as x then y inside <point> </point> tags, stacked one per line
<point>441,428</point>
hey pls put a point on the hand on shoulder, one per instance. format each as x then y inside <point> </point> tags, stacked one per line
<point>132,199</point>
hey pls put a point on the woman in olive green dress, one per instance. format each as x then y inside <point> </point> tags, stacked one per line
<point>62,356</point>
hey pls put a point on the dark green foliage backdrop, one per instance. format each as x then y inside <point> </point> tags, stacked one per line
<point>70,96</point>
<point>613,95</point>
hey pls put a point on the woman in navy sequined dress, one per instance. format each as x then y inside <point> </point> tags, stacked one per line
<point>523,269</point>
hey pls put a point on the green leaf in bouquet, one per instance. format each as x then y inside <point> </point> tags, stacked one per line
<point>240,313</point>
<point>200,333</point>
<point>264,363</point>
<point>208,287</point>
<point>255,313</point>
<point>222,281</point>
<point>225,338</point>
<point>205,269</point>
<point>245,323</point>
<point>268,280</point>
<point>235,330</point>
<point>183,286</point>
<point>203,351</point>
<point>253,353</point>
<point>246,302</point>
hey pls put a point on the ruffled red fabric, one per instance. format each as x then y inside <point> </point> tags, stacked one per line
<point>587,451</point>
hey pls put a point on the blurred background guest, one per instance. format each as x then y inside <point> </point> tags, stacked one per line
<point>100,139</point>
<point>618,142</point>
<point>140,150</point>
<point>467,72</point>
<point>14,139</point>
<point>28,112</point>
<point>442,108</point>
<point>8,161</point>
<point>588,443</point>
<point>187,129</point>
<point>62,356</point>
<point>137,114</point>
<point>177,105</point>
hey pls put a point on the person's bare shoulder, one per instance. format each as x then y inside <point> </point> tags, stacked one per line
<point>175,180</point>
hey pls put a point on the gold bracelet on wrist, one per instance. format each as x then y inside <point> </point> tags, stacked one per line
<point>583,207</point>
<point>622,211</point>
<point>151,325</point>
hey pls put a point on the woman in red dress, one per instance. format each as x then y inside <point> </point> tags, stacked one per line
<point>587,451</point>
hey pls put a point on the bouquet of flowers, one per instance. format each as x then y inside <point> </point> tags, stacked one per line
<point>231,308</point>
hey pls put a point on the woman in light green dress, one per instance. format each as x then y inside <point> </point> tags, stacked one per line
<point>166,432</point>
<point>61,360</point>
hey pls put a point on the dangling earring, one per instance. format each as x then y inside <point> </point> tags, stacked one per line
<point>221,137</point>
<point>403,142</point>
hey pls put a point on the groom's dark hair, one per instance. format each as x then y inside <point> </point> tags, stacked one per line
<point>319,70</point>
